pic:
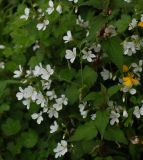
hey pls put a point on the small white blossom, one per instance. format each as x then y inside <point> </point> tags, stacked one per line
<point>62,100</point>
<point>106,74</point>
<point>38,117</point>
<point>20,95</point>
<point>75,1</point>
<point>51,7</point>
<point>133,24</point>
<point>71,55</point>
<point>125,113</point>
<point>114,117</point>
<point>88,55</point>
<point>47,84</point>
<point>27,103</point>
<point>137,67</point>
<point>129,48</point>
<point>59,9</point>
<point>46,73</point>
<point>61,149</point>
<point>68,37</point>
<point>93,116</point>
<point>54,127</point>
<point>52,112</point>
<point>26,14</point>
<point>36,46</point>
<point>40,99</point>
<point>131,90</point>
<point>81,22</point>
<point>51,95</point>
<point>2,65</point>
<point>138,111</point>
<point>82,111</point>
<point>128,1</point>
<point>37,70</point>
<point>42,26</point>
<point>18,73</point>
<point>2,46</point>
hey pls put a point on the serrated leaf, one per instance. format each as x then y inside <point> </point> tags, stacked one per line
<point>114,49</point>
<point>101,121</point>
<point>87,131</point>
<point>11,127</point>
<point>115,134</point>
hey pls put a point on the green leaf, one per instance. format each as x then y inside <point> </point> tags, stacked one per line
<point>11,127</point>
<point>66,74</point>
<point>115,134</point>
<point>113,90</point>
<point>97,24</point>
<point>29,139</point>
<point>101,121</point>
<point>72,93</point>
<point>87,131</point>
<point>123,23</point>
<point>89,76</point>
<point>113,48</point>
<point>4,107</point>
<point>97,97</point>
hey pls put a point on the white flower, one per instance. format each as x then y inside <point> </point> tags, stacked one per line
<point>61,149</point>
<point>106,74</point>
<point>58,106</point>
<point>52,112</point>
<point>93,116</point>
<point>71,55</point>
<point>40,99</point>
<point>30,92</point>
<point>46,73</point>
<point>62,100</point>
<point>95,47</point>
<point>47,84</point>
<point>88,55</point>
<point>59,9</point>
<point>26,15</point>
<point>81,22</point>
<point>129,48</point>
<point>133,24</point>
<point>2,46</point>
<point>54,127</point>
<point>36,46</point>
<point>114,117</point>
<point>2,65</point>
<point>51,7</point>
<point>81,109</point>
<point>128,1</point>
<point>37,116</point>
<point>27,103</point>
<point>51,95</point>
<point>20,95</point>
<point>37,70</point>
<point>75,1</point>
<point>137,67</point>
<point>42,26</point>
<point>132,91</point>
<point>68,37</point>
<point>138,111</point>
<point>125,113</point>
<point>141,17</point>
<point>18,73</point>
